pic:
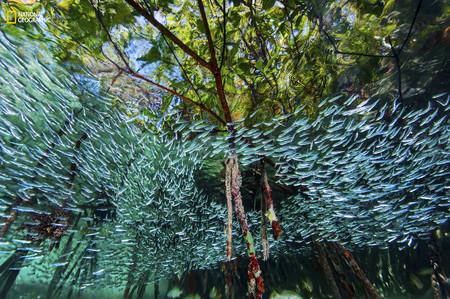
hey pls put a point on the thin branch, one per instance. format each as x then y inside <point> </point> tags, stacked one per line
<point>399,68</point>
<point>166,32</point>
<point>256,56</point>
<point>165,88</point>
<point>129,71</point>
<point>116,47</point>
<point>405,41</point>
<point>220,6</point>
<point>259,38</point>
<point>224,46</point>
<point>362,54</point>
<point>212,51</point>
<point>263,49</point>
<point>181,67</point>
<point>174,92</point>
<point>215,68</point>
<point>337,51</point>
<point>113,81</point>
<point>416,13</point>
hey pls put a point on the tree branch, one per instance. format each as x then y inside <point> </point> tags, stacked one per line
<point>416,13</point>
<point>399,69</point>
<point>337,51</point>
<point>396,54</point>
<point>131,72</point>
<point>182,67</point>
<point>212,51</point>
<point>215,68</point>
<point>166,32</point>
<point>224,46</point>
<point>174,92</point>
<point>108,35</point>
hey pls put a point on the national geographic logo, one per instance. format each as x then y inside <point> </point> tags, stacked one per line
<point>10,15</point>
<point>15,16</point>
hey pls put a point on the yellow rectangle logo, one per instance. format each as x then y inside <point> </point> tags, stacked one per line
<point>11,16</point>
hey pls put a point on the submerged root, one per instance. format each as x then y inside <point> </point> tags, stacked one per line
<point>8,222</point>
<point>229,209</point>
<point>270,211</point>
<point>439,281</point>
<point>323,261</point>
<point>264,240</point>
<point>255,280</point>
<point>370,291</point>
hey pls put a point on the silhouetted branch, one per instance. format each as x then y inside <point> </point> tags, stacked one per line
<point>395,53</point>
<point>399,69</point>
<point>410,27</point>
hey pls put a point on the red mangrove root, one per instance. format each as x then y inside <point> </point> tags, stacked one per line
<point>270,213</point>
<point>254,275</point>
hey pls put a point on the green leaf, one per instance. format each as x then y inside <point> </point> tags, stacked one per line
<point>268,4</point>
<point>260,65</point>
<point>152,55</point>
<point>244,66</point>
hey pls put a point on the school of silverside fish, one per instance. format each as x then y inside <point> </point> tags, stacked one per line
<point>79,177</point>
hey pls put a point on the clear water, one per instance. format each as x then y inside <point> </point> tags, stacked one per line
<point>90,204</point>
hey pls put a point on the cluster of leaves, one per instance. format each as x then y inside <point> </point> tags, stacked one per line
<point>273,55</point>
